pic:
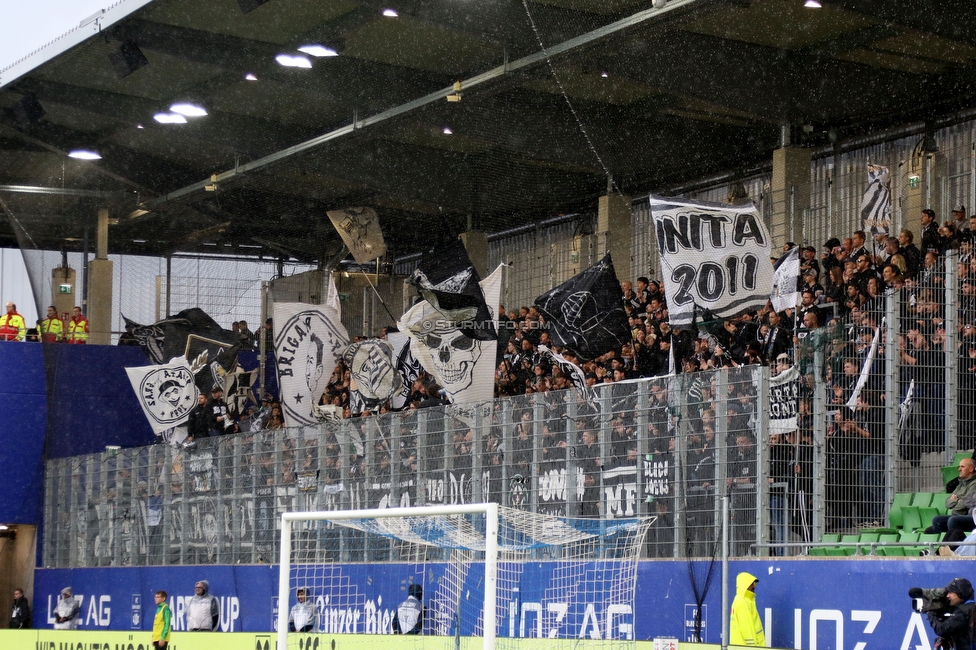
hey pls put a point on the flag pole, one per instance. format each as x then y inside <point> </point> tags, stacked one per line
<point>382,302</point>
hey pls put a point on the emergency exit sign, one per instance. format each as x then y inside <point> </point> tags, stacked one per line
<point>64,288</point>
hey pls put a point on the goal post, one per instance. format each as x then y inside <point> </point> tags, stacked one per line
<point>490,510</point>
<point>456,573</point>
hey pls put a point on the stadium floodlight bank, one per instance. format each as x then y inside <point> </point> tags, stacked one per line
<point>492,576</point>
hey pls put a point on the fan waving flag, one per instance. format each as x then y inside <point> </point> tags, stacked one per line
<point>308,340</point>
<point>447,280</point>
<point>585,313</point>
<point>360,232</point>
<point>715,258</point>
<point>876,202</point>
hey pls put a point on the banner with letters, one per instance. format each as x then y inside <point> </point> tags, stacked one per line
<point>784,390</point>
<point>166,392</point>
<point>714,257</point>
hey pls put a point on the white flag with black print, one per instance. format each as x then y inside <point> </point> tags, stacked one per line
<point>360,232</point>
<point>374,377</point>
<point>784,294</point>
<point>167,393</point>
<point>463,366</point>
<point>308,340</point>
<point>406,366</point>
<point>876,202</point>
<point>784,391</point>
<point>715,259</point>
<point>866,368</point>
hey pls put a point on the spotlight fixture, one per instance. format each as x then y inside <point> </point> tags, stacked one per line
<point>456,95</point>
<point>812,4</point>
<point>250,76</point>
<point>169,118</point>
<point>318,50</point>
<point>247,6</point>
<point>390,13</point>
<point>188,110</point>
<point>604,75</point>
<point>447,131</point>
<point>84,154</point>
<point>28,111</point>
<point>127,58</point>
<point>290,61</point>
<point>139,126</point>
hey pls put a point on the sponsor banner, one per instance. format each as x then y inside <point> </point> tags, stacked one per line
<point>715,259</point>
<point>821,614</point>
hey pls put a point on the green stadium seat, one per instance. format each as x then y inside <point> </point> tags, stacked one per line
<point>967,453</point>
<point>830,537</point>
<point>817,551</point>
<point>930,538</point>
<point>927,514</point>
<point>949,472</point>
<point>895,516</point>
<point>888,551</point>
<point>849,539</point>
<point>922,499</point>
<point>867,538</point>
<point>912,519</point>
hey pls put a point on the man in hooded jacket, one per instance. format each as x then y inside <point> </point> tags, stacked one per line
<point>953,625</point>
<point>66,613</point>
<point>202,610</point>
<point>745,626</point>
<point>409,617</point>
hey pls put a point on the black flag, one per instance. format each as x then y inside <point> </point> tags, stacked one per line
<point>585,313</point>
<point>447,279</point>
<point>210,349</point>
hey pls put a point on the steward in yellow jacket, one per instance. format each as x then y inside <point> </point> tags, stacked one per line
<point>52,327</point>
<point>12,327</point>
<point>77,327</point>
<point>745,626</point>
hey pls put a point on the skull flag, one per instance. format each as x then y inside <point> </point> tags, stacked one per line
<point>585,313</point>
<point>447,280</point>
<point>463,366</point>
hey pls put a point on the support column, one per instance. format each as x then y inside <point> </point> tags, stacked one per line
<point>100,277</point>
<point>64,281</point>
<point>790,194</point>
<point>921,181</point>
<point>476,243</point>
<point>614,224</point>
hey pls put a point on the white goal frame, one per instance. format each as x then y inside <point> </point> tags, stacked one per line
<point>490,511</point>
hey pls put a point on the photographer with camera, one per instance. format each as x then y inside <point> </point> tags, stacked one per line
<point>950,611</point>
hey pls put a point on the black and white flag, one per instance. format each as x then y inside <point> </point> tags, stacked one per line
<point>373,374</point>
<point>876,202</point>
<point>784,391</point>
<point>446,278</point>
<point>572,372</point>
<point>715,258</point>
<point>463,366</point>
<point>866,368</point>
<point>308,341</point>
<point>585,314</point>
<point>238,389</point>
<point>165,392</point>
<point>406,366</point>
<point>360,232</point>
<point>785,294</point>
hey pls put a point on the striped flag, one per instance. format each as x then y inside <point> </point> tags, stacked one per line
<point>876,202</point>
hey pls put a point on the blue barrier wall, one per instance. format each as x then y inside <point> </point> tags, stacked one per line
<point>827,604</point>
<point>23,405</point>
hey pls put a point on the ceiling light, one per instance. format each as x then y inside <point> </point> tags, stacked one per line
<point>447,131</point>
<point>189,110</point>
<point>250,76</point>
<point>84,154</point>
<point>390,13</point>
<point>604,75</point>
<point>169,118</point>
<point>139,126</point>
<point>138,241</point>
<point>290,61</point>
<point>812,4</point>
<point>318,50</point>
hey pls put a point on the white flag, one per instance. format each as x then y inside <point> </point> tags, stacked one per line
<point>308,340</point>
<point>876,202</point>
<point>865,369</point>
<point>464,367</point>
<point>360,231</point>
<point>166,393</point>
<point>784,294</point>
<point>784,391</point>
<point>715,258</point>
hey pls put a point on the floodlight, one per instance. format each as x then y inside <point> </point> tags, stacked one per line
<point>250,76</point>
<point>188,110</point>
<point>390,13</point>
<point>169,118</point>
<point>84,154</point>
<point>447,130</point>
<point>318,50</point>
<point>290,61</point>
<point>812,4</point>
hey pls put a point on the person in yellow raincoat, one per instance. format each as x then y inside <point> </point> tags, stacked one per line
<point>745,626</point>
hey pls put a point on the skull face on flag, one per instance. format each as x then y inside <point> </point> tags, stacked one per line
<point>371,366</point>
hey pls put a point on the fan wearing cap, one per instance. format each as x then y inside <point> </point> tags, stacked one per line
<point>952,625</point>
<point>959,218</point>
<point>745,626</point>
<point>219,420</point>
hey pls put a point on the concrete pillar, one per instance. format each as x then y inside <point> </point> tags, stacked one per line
<point>476,243</point>
<point>63,291</point>
<point>790,194</point>
<point>921,180</point>
<point>100,277</point>
<point>614,225</point>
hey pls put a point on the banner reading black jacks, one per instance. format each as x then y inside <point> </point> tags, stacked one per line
<point>715,258</point>
<point>585,313</point>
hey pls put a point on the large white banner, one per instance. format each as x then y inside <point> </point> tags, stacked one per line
<point>166,393</point>
<point>715,258</point>
<point>784,390</point>
<point>464,367</point>
<point>308,340</point>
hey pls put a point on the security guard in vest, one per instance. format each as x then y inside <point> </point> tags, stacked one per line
<point>12,327</point>
<point>77,327</point>
<point>52,327</point>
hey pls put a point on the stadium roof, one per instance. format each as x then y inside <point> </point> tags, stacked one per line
<point>664,95</point>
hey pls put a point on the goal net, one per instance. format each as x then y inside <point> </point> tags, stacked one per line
<point>483,576</point>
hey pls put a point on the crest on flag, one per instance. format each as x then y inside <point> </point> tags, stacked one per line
<point>585,313</point>
<point>360,232</point>
<point>876,202</point>
<point>237,389</point>
<point>166,393</point>
<point>715,258</point>
<point>307,344</point>
<point>371,367</point>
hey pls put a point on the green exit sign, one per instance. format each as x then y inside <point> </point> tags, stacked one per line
<point>64,288</point>
<point>914,181</point>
